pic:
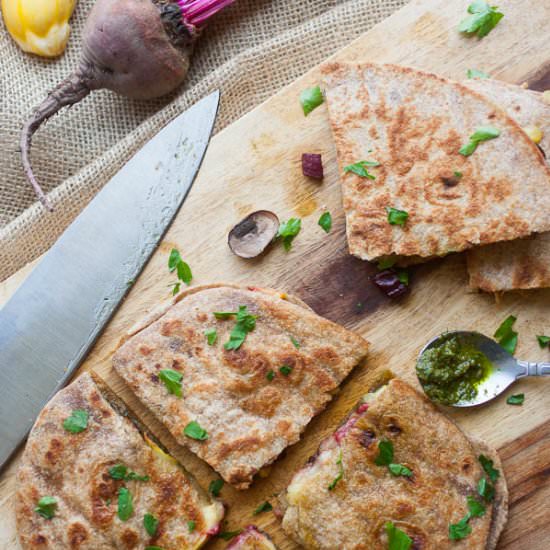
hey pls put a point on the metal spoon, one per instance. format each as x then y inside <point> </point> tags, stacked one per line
<point>506,368</point>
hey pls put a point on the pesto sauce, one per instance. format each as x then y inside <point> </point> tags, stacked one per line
<point>452,372</point>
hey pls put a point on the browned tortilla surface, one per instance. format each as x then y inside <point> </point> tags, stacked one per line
<point>249,419</point>
<point>252,539</point>
<point>414,123</point>
<point>74,469</point>
<point>353,514</point>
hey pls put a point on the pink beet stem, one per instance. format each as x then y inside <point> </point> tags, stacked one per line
<point>197,12</point>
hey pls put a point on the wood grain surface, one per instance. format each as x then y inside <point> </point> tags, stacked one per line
<point>255,164</point>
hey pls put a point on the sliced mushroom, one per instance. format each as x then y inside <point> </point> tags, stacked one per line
<point>251,236</point>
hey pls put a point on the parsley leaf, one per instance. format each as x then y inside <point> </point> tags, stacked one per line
<point>360,168</point>
<point>153,548</point>
<point>460,530</point>
<point>245,323</point>
<point>211,336</point>
<point>325,221</point>
<point>517,399</point>
<point>475,73</point>
<point>544,341</point>
<point>172,380</point>
<point>475,508</point>
<point>194,431</point>
<point>310,99</point>
<point>288,231</point>
<point>125,505</point>
<point>228,535</point>
<point>285,370</point>
<point>507,337</point>
<point>386,263</point>
<point>485,489</point>
<point>483,133</point>
<point>482,19</point>
<point>120,472</point>
<point>399,470</point>
<point>270,375</point>
<point>403,277</point>
<point>295,342</point>
<point>191,525</point>
<point>215,487</point>
<point>397,539</point>
<point>397,217</point>
<point>340,475</point>
<point>490,470</point>
<point>385,453</point>
<point>46,507</point>
<point>151,524</point>
<point>77,422</point>
<point>182,269</point>
<point>176,287</point>
<point>264,507</point>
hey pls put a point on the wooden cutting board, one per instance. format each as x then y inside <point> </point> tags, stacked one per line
<point>255,164</point>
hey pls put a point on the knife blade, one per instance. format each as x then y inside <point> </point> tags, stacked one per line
<point>56,315</point>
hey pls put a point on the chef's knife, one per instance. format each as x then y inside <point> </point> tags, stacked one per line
<point>52,320</point>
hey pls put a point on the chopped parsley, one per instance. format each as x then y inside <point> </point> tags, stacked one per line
<point>228,535</point>
<point>194,431</point>
<point>506,336</point>
<point>151,524</point>
<point>543,341</point>
<point>517,399</point>
<point>385,453</point>
<point>264,507</point>
<point>460,530</point>
<point>325,221</point>
<point>475,508</point>
<point>482,19</point>
<point>397,539</point>
<point>245,323</point>
<point>399,470</point>
<point>403,276</point>
<point>125,505</point>
<point>457,174</point>
<point>182,269</point>
<point>215,487</point>
<point>46,507</point>
<point>153,548</point>
<point>483,133</point>
<point>475,73</point>
<point>191,525</point>
<point>361,168</point>
<point>310,99</point>
<point>295,342</point>
<point>120,472</point>
<point>397,217</point>
<point>340,474</point>
<point>270,375</point>
<point>386,263</point>
<point>489,468</point>
<point>172,380</point>
<point>77,422</point>
<point>211,336</point>
<point>285,370</point>
<point>288,231</point>
<point>486,489</point>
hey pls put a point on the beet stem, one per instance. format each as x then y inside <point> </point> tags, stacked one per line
<point>68,92</point>
<point>197,12</point>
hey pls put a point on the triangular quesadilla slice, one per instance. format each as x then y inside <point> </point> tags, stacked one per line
<point>236,373</point>
<point>428,166</point>
<point>92,478</point>
<point>523,263</point>
<point>397,468</point>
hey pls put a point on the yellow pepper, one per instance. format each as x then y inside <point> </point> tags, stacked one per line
<point>39,26</point>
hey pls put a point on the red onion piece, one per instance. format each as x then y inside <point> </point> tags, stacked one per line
<point>388,282</point>
<point>312,166</point>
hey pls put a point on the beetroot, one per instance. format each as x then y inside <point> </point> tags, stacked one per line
<point>136,48</point>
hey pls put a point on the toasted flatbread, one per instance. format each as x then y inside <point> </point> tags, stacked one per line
<point>414,124</point>
<point>343,499</point>
<point>250,416</point>
<point>523,263</point>
<point>252,538</point>
<point>74,468</point>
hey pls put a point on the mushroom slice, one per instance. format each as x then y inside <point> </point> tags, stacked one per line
<point>251,236</point>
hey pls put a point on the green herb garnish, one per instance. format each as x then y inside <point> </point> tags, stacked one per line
<point>172,380</point>
<point>474,73</point>
<point>153,548</point>
<point>121,472</point>
<point>360,168</point>
<point>264,507</point>
<point>397,217</point>
<point>403,277</point>
<point>288,231</point>
<point>488,467</point>
<point>340,474</point>
<point>457,174</point>
<point>125,505</point>
<point>483,133</point>
<point>182,269</point>
<point>399,470</point>
<point>215,487</point>
<point>211,336</point>
<point>228,535</point>
<point>295,342</point>
<point>285,370</point>
<point>270,375</point>
<point>506,336</point>
<point>475,508</point>
<point>486,489</point>
<point>325,221</point>
<point>385,453</point>
<point>46,507</point>
<point>151,524</point>
<point>310,99</point>
<point>245,323</point>
<point>191,525</point>
<point>397,539</point>
<point>77,422</point>
<point>517,399</point>
<point>460,530</point>
<point>482,19</point>
<point>386,263</point>
<point>544,341</point>
<point>194,431</point>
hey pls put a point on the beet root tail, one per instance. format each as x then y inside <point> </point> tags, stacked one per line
<point>68,92</point>
<point>198,12</point>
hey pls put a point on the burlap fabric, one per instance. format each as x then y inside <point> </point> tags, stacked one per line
<point>249,52</point>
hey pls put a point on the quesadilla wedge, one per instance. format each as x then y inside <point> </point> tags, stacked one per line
<point>429,166</point>
<point>91,479</point>
<point>249,369</point>
<point>524,263</point>
<point>396,463</point>
<point>252,539</point>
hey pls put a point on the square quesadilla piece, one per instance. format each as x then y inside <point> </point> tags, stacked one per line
<point>395,463</point>
<point>408,191</point>
<point>252,538</point>
<point>242,393</point>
